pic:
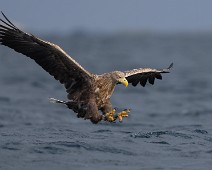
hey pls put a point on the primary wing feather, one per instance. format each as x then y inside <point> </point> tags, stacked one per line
<point>143,75</point>
<point>48,55</point>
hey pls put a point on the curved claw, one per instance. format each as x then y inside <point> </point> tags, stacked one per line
<point>122,114</point>
<point>111,116</point>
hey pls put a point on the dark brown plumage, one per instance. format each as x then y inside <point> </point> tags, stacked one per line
<point>87,92</point>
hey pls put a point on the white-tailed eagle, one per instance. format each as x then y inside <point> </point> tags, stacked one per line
<point>88,93</point>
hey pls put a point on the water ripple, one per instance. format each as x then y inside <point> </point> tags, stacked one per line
<point>5,99</point>
<point>161,142</point>
<point>160,133</point>
<point>200,131</point>
<point>64,146</point>
<point>11,146</point>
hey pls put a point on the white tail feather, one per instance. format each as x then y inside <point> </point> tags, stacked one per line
<point>53,100</point>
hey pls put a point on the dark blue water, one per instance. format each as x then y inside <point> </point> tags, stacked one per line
<point>170,126</point>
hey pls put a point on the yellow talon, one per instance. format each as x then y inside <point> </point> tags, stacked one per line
<point>122,114</point>
<point>110,116</point>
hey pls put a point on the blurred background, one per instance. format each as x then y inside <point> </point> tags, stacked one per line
<point>170,124</point>
<point>110,16</point>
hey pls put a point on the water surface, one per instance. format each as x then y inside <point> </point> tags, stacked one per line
<point>169,126</point>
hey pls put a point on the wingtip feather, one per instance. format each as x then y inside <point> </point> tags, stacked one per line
<point>171,66</point>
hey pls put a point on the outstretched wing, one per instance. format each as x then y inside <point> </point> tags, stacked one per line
<point>48,55</point>
<point>143,75</point>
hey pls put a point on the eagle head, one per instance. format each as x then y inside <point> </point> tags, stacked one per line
<point>119,77</point>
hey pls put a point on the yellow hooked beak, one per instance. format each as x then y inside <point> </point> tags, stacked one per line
<point>124,81</point>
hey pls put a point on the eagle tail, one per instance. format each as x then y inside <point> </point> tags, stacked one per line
<point>53,100</point>
<point>70,104</point>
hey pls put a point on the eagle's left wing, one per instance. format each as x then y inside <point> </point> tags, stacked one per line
<point>49,56</point>
<point>143,75</point>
